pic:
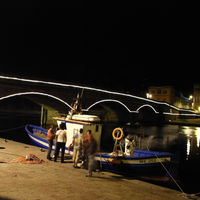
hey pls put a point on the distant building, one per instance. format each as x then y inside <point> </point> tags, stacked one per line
<point>196,97</point>
<point>162,93</point>
<point>169,95</point>
<point>183,102</point>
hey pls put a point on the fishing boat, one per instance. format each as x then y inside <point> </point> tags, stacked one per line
<point>38,134</point>
<point>140,161</point>
<point>124,158</point>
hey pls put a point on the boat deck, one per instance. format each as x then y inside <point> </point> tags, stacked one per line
<point>40,134</point>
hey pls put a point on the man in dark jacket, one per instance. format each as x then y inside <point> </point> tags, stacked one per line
<point>90,151</point>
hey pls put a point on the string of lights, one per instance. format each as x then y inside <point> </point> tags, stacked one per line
<point>189,112</point>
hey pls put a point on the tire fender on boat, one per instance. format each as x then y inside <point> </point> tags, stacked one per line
<point>118,133</point>
<point>114,161</point>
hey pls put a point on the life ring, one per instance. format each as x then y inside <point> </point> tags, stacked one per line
<point>118,133</point>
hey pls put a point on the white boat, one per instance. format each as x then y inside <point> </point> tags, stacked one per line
<point>140,162</point>
<point>86,122</point>
<point>137,161</point>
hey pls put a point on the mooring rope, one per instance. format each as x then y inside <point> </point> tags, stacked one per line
<point>183,194</point>
<point>167,171</point>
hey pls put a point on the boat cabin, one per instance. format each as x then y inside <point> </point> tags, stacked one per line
<point>77,121</point>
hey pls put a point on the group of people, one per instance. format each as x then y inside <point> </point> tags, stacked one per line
<point>84,148</point>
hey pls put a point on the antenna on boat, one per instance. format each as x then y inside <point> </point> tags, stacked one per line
<point>76,108</point>
<point>82,93</point>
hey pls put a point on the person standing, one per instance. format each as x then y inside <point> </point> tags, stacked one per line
<point>61,139</point>
<point>129,146</point>
<point>77,146</point>
<point>90,151</point>
<point>50,138</point>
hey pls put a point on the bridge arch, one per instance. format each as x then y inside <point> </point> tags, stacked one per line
<point>110,111</point>
<point>147,106</point>
<point>36,107</point>
<point>147,113</point>
<point>35,93</point>
<point>107,100</point>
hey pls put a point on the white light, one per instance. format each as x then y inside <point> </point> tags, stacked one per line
<point>197,133</point>
<point>106,100</point>
<point>183,114</point>
<point>149,96</point>
<point>188,146</point>
<point>36,93</point>
<point>97,90</point>
<point>146,105</point>
<point>82,87</point>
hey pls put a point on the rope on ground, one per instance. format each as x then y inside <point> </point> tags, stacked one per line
<point>11,129</point>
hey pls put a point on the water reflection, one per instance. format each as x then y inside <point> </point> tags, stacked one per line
<point>162,138</point>
<point>193,142</point>
<point>182,141</point>
<point>188,147</point>
<point>197,133</point>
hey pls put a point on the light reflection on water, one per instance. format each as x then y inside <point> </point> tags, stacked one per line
<point>197,134</point>
<point>182,141</point>
<point>170,138</point>
<point>188,147</point>
<point>193,141</point>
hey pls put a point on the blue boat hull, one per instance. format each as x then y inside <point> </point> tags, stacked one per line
<point>38,135</point>
<point>139,164</point>
<point>143,162</point>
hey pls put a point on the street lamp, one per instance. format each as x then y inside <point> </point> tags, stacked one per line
<point>149,96</point>
<point>190,97</point>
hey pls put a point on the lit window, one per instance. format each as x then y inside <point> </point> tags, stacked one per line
<point>164,91</point>
<point>159,91</point>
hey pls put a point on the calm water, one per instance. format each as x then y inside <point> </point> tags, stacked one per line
<point>183,141</point>
<point>12,126</point>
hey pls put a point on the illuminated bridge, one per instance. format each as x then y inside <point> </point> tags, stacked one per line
<point>109,105</point>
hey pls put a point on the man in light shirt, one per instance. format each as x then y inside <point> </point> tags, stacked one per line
<point>61,139</point>
<point>77,145</point>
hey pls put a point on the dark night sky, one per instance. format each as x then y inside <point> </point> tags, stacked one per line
<point>117,45</point>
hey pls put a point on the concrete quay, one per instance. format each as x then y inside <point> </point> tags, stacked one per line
<point>61,181</point>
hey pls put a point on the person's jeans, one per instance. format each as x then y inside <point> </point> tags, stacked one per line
<point>59,145</point>
<point>75,158</point>
<point>90,164</point>
<point>50,142</point>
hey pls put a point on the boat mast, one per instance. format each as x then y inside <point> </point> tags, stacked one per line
<point>76,108</point>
